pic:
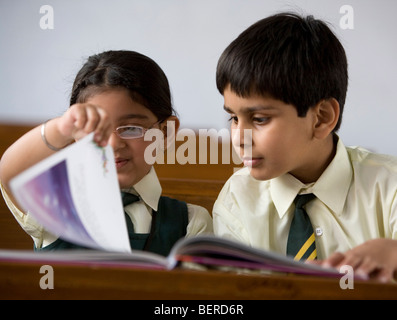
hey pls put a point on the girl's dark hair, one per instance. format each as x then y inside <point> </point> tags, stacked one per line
<point>291,58</point>
<point>141,76</point>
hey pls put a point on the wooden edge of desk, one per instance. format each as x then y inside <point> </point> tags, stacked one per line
<point>21,281</point>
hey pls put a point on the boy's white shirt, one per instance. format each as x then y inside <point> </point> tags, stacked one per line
<point>149,190</point>
<point>356,200</point>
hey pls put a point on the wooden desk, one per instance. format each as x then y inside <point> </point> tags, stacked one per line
<point>21,281</point>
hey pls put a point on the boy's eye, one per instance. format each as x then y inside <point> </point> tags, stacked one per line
<point>260,120</point>
<point>233,119</point>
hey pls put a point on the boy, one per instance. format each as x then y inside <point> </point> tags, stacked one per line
<point>285,80</point>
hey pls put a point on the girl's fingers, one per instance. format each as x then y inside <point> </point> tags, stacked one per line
<point>82,119</point>
<point>103,129</point>
<point>78,115</point>
<point>92,119</point>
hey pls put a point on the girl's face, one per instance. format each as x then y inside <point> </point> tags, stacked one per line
<point>129,153</point>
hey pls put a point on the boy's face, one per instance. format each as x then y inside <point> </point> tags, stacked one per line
<point>129,153</point>
<point>281,141</point>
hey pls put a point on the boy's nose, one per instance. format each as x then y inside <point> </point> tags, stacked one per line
<point>242,137</point>
<point>242,142</point>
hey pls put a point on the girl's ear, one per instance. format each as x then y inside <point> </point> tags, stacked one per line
<point>326,117</point>
<point>169,127</point>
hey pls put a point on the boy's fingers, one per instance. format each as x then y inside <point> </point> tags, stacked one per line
<point>316,262</point>
<point>351,258</point>
<point>333,260</point>
<point>367,267</point>
<point>384,275</point>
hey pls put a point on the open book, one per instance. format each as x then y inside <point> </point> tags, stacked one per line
<point>75,195</point>
<point>204,250</point>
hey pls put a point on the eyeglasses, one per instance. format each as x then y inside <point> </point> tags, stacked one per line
<point>133,132</point>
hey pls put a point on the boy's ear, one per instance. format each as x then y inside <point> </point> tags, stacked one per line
<point>169,127</point>
<point>326,117</point>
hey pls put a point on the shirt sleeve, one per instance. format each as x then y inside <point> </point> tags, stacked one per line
<point>393,218</point>
<point>226,223</point>
<point>40,236</point>
<point>200,221</point>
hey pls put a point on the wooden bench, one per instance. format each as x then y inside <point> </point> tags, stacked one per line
<point>11,234</point>
<point>194,183</point>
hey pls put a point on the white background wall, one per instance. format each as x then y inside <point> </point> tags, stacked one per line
<point>186,38</point>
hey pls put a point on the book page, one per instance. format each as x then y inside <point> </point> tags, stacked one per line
<point>133,259</point>
<point>75,195</point>
<point>214,251</point>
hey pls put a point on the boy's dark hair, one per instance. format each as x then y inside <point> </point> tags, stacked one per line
<point>291,58</point>
<point>141,76</point>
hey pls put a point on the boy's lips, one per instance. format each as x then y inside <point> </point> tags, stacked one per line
<point>251,162</point>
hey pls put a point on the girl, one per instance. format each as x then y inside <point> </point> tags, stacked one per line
<point>118,95</point>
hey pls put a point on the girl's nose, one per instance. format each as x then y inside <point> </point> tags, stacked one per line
<point>116,142</point>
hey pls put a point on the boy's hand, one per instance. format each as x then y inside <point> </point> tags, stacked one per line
<point>82,119</point>
<point>374,259</point>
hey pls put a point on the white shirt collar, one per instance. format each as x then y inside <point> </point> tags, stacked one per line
<point>331,188</point>
<point>149,189</point>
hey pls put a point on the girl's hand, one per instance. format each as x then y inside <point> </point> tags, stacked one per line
<point>78,121</point>
<point>82,119</point>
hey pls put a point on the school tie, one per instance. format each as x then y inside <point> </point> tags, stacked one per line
<point>301,242</point>
<point>128,198</point>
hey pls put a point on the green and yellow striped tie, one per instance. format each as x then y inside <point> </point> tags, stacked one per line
<point>301,241</point>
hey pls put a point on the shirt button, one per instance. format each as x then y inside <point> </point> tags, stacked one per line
<point>319,232</point>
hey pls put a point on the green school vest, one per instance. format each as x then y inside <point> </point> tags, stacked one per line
<point>169,224</point>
